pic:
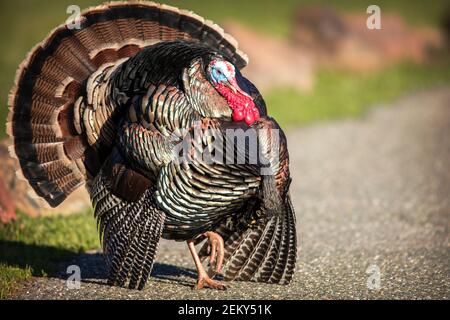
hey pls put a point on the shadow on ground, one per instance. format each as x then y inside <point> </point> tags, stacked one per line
<point>40,258</point>
<point>46,260</point>
<point>93,270</point>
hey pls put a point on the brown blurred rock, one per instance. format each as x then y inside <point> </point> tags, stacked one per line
<point>7,212</point>
<point>344,41</point>
<point>21,196</point>
<point>320,29</point>
<point>273,62</point>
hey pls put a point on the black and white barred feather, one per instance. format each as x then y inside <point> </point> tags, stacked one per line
<point>263,250</point>
<point>129,222</point>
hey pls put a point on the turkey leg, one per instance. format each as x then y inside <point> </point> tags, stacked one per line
<point>216,252</point>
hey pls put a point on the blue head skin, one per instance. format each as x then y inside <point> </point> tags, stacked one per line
<point>222,72</point>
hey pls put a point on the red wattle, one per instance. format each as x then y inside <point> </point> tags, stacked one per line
<point>249,117</point>
<point>238,115</point>
<point>243,106</point>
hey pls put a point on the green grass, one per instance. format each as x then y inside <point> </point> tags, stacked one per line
<point>34,246</point>
<point>342,94</point>
<point>11,277</point>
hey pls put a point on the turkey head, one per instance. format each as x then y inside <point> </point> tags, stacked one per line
<point>223,76</point>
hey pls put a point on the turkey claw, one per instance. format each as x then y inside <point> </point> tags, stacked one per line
<point>216,250</point>
<point>206,281</point>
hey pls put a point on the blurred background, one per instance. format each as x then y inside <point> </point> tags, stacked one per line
<point>312,60</point>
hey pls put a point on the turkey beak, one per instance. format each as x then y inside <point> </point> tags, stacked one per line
<point>231,86</point>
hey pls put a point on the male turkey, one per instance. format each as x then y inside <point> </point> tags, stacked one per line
<point>106,105</point>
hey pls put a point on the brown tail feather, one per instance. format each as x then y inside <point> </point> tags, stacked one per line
<point>51,143</point>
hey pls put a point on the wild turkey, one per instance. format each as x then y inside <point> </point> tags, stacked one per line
<point>107,104</point>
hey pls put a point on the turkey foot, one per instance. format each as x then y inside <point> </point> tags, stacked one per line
<point>204,279</point>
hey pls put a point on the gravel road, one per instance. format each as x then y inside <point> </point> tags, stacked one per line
<point>371,194</point>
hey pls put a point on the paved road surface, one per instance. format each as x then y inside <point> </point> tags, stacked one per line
<point>367,192</point>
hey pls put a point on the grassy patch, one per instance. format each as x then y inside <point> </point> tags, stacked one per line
<point>34,246</point>
<point>10,277</point>
<point>339,94</point>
